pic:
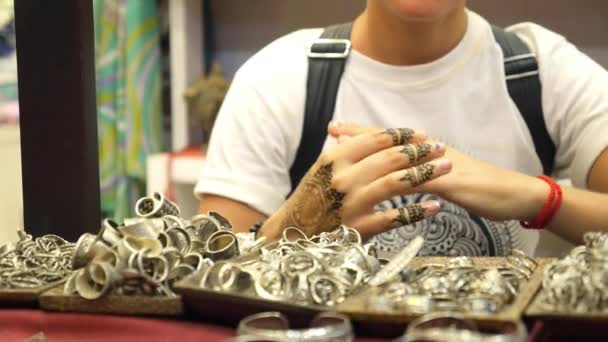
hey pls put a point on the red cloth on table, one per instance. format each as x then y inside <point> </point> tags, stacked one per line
<point>17,325</point>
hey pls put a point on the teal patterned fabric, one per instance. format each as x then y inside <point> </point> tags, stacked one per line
<point>129,81</point>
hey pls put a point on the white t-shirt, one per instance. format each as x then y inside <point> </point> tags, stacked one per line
<point>460,99</point>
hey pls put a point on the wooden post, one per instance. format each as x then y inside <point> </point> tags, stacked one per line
<point>59,153</point>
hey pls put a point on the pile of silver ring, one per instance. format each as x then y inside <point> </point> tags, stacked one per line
<point>146,255</point>
<point>457,286</point>
<point>578,281</point>
<point>321,270</point>
<point>31,263</point>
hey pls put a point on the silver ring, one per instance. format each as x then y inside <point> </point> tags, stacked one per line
<point>155,206</point>
<point>325,290</point>
<point>482,304</point>
<point>109,232</point>
<point>81,255</point>
<point>520,267</point>
<point>293,234</point>
<point>179,238</point>
<point>222,245</point>
<point>272,285</point>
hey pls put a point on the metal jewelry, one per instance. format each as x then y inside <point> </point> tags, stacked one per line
<point>31,263</point>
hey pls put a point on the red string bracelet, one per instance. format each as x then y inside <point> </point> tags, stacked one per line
<point>558,203</point>
<point>550,208</point>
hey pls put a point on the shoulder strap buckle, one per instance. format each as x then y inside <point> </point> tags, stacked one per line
<point>520,57</point>
<point>329,48</point>
<point>521,66</point>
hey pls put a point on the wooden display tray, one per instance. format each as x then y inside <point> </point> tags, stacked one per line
<point>356,307</point>
<point>536,311</point>
<point>55,300</point>
<point>571,325</point>
<point>26,297</point>
<point>229,307</point>
<point>232,307</point>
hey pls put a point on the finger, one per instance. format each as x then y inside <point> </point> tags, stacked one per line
<point>344,138</point>
<point>401,182</point>
<point>361,146</point>
<point>337,128</point>
<point>401,136</point>
<point>382,221</point>
<point>390,160</point>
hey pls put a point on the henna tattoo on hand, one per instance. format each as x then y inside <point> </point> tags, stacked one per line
<point>315,206</point>
<point>416,151</point>
<point>410,214</point>
<point>419,174</point>
<point>401,136</point>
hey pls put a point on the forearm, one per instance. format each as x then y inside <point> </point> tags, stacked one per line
<point>581,211</point>
<point>239,214</point>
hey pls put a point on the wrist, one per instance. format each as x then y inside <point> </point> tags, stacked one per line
<point>535,196</point>
<point>550,207</point>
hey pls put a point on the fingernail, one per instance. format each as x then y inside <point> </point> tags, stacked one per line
<point>442,165</point>
<point>334,124</point>
<point>439,147</point>
<point>431,207</point>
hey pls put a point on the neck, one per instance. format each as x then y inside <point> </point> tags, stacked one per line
<point>391,40</point>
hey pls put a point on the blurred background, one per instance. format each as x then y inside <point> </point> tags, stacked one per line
<point>164,65</point>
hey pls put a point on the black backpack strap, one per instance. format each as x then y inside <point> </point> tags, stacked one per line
<point>523,83</point>
<point>326,59</point>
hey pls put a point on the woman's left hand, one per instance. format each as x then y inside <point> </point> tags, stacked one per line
<point>481,188</point>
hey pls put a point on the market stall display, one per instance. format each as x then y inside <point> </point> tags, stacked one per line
<point>159,263</point>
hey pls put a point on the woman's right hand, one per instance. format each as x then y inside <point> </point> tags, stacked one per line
<point>349,180</point>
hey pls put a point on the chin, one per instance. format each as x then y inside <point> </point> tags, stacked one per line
<point>423,10</point>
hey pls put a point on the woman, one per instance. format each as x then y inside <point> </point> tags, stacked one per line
<point>434,66</point>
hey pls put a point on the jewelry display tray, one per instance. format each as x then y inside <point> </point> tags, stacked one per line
<point>355,306</point>
<point>55,300</point>
<point>27,297</point>
<point>232,307</point>
<point>536,311</point>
